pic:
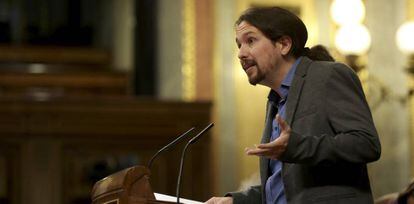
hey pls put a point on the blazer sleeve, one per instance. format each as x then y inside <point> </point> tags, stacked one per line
<point>354,137</point>
<point>250,196</point>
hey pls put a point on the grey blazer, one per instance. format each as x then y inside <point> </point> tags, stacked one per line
<point>333,137</point>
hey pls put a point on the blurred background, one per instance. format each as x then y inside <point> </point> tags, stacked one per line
<point>90,87</point>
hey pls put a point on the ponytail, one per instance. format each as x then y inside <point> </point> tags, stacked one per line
<point>318,53</point>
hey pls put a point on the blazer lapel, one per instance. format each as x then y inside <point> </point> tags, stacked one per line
<point>294,96</point>
<point>296,89</point>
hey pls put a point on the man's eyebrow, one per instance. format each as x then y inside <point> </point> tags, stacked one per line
<point>249,32</point>
<point>244,34</point>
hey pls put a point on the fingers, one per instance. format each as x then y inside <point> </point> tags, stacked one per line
<point>271,153</point>
<point>274,149</point>
<point>256,151</point>
<point>220,200</point>
<point>262,153</point>
<point>210,201</point>
<point>269,145</point>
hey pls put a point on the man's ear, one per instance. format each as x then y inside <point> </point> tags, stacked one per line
<point>285,43</point>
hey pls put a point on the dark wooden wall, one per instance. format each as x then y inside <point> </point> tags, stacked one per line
<point>56,149</point>
<point>68,119</point>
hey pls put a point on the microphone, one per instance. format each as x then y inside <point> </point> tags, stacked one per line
<point>166,147</point>
<point>192,141</point>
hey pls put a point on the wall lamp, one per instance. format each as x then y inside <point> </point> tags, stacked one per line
<point>352,38</point>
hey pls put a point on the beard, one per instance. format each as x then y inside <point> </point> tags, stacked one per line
<point>254,73</point>
<point>255,77</point>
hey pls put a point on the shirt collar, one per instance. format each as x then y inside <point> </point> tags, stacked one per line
<point>287,81</point>
<point>284,87</point>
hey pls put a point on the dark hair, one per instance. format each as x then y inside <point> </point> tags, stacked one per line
<point>275,22</point>
<point>318,52</point>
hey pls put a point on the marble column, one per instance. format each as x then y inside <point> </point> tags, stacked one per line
<point>225,132</point>
<point>169,75</point>
<point>385,65</point>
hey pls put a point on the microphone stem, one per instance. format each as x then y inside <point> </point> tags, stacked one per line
<point>168,146</point>
<point>180,172</point>
<point>192,141</point>
<point>152,159</point>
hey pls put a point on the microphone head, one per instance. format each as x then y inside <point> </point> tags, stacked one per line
<point>194,139</point>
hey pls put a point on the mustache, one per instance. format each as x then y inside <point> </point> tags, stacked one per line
<point>246,63</point>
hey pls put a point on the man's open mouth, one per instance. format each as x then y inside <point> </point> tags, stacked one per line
<point>247,64</point>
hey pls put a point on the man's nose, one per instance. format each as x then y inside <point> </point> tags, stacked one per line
<point>242,52</point>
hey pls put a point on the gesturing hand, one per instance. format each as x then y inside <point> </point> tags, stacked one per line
<point>220,200</point>
<point>274,149</point>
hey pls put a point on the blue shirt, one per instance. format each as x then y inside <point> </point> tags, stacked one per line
<point>274,188</point>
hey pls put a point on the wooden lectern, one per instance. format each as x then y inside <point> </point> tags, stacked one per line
<point>129,186</point>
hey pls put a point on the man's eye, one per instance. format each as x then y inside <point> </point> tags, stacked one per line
<point>250,40</point>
